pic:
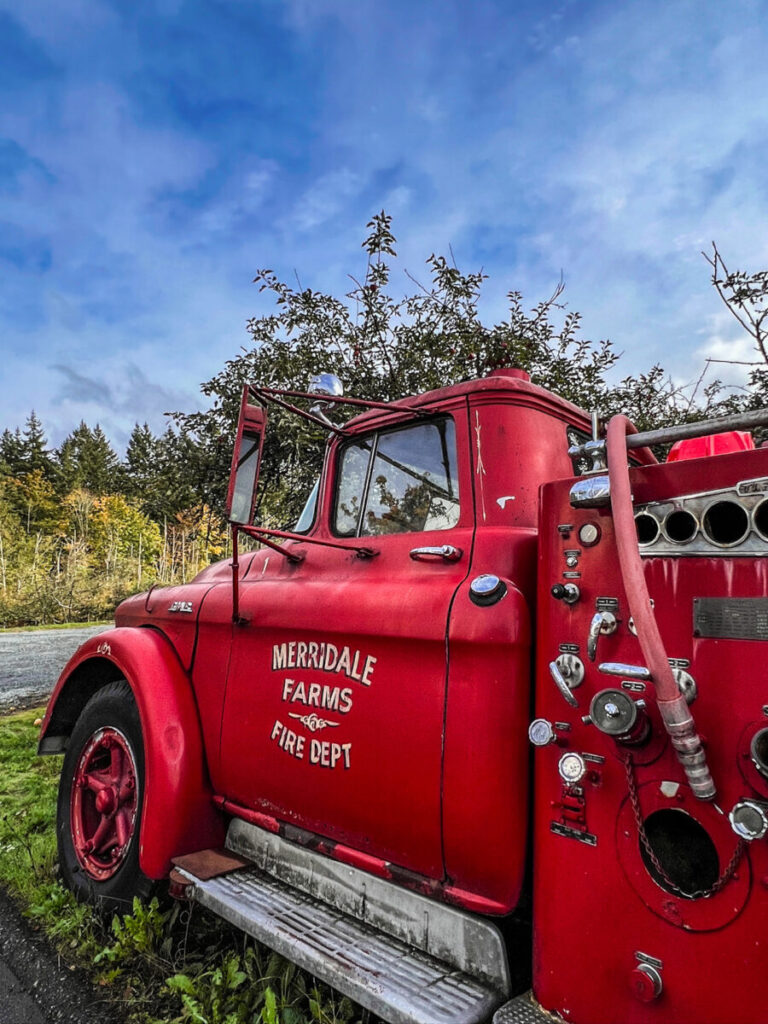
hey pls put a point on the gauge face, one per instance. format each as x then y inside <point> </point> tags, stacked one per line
<point>589,534</point>
<point>540,732</point>
<point>571,767</point>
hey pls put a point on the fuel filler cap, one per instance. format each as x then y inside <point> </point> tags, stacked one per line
<point>486,589</point>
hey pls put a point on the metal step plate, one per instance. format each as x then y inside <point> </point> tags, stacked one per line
<point>379,972</point>
<point>524,1010</point>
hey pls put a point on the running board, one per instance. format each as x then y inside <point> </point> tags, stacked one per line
<point>408,958</point>
<point>381,973</point>
<point>524,1010</point>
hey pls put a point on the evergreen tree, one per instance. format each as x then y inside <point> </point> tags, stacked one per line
<point>35,454</point>
<point>11,453</point>
<point>87,460</point>
<point>102,470</point>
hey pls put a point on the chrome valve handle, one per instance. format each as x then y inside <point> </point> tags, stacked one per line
<point>603,623</point>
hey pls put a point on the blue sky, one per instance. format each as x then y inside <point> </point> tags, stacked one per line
<point>154,156</point>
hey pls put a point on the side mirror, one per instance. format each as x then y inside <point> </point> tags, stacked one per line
<point>246,459</point>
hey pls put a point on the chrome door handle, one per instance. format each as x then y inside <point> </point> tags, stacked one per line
<point>447,552</point>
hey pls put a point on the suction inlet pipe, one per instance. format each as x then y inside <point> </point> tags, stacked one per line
<point>675,713</point>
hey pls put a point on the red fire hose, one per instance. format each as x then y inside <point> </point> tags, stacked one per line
<point>673,708</point>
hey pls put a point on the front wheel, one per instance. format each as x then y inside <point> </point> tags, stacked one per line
<point>100,798</point>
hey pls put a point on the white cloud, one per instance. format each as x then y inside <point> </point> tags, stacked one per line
<point>325,198</point>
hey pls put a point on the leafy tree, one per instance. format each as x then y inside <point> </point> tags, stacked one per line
<point>384,347</point>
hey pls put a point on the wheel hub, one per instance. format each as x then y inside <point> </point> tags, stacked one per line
<point>103,803</point>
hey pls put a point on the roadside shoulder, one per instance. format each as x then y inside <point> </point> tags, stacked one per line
<point>63,996</point>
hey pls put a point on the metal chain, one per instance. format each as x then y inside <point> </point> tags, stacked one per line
<point>724,878</point>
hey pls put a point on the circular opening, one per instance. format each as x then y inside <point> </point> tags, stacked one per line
<point>647,527</point>
<point>758,751</point>
<point>760,518</point>
<point>683,848</point>
<point>725,523</point>
<point>680,526</point>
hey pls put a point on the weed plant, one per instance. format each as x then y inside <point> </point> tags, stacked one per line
<point>162,963</point>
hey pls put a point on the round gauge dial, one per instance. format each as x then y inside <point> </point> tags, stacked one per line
<point>571,767</point>
<point>540,732</point>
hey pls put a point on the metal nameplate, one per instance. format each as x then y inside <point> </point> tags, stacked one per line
<point>572,833</point>
<point>594,758</point>
<point>731,618</point>
<point>571,575</point>
<point>607,604</point>
<point>752,486</point>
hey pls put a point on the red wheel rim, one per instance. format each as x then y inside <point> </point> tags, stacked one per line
<point>103,803</point>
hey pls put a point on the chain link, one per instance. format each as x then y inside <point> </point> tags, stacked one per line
<point>725,877</point>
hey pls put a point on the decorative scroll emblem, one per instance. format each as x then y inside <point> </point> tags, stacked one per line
<point>313,722</point>
<point>180,606</point>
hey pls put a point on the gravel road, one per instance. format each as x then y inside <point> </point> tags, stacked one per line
<point>30,663</point>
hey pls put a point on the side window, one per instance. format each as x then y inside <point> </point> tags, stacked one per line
<point>349,496</point>
<point>410,485</point>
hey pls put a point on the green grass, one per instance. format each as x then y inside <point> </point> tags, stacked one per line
<point>169,963</point>
<point>55,625</point>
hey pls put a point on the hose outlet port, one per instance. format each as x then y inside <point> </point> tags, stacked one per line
<point>620,717</point>
<point>681,526</point>
<point>758,751</point>
<point>725,523</point>
<point>760,518</point>
<point>647,527</point>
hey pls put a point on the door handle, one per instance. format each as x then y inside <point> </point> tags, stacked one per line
<point>447,552</point>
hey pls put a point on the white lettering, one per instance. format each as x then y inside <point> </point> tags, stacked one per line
<point>370,661</point>
<point>325,657</point>
<point>343,664</point>
<point>279,656</point>
<point>328,754</point>
<point>288,740</point>
<point>331,656</point>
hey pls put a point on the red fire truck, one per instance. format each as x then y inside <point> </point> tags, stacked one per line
<point>504,670</point>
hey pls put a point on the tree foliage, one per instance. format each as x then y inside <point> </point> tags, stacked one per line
<point>385,347</point>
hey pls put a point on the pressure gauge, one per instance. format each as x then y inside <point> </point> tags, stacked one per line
<point>540,732</point>
<point>571,767</point>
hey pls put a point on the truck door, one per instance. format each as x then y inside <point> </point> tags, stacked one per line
<point>336,693</point>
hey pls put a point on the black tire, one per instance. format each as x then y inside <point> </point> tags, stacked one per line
<point>108,875</point>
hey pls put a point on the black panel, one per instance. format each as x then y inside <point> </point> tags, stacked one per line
<point>731,618</point>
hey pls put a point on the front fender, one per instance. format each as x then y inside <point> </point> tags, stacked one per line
<point>178,813</point>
